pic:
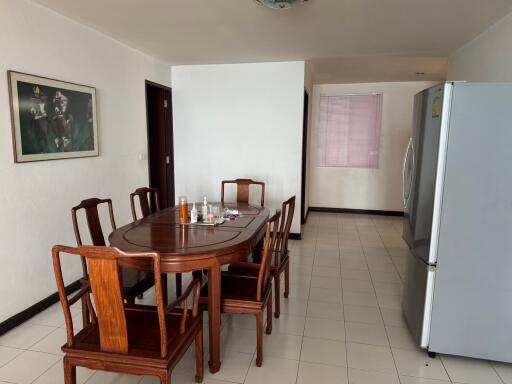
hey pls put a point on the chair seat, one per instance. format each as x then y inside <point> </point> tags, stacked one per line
<point>255,258</point>
<point>235,288</point>
<point>143,333</point>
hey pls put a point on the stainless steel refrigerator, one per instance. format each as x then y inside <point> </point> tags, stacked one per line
<point>457,195</point>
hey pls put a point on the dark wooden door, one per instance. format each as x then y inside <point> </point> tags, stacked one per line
<point>160,142</point>
<point>304,158</point>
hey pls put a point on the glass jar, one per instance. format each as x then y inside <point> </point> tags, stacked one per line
<point>183,209</point>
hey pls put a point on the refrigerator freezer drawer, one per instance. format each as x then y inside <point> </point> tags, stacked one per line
<point>417,298</point>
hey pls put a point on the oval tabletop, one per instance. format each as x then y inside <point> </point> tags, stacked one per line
<point>163,232</point>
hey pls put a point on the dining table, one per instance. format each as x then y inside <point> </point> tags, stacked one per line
<point>195,247</point>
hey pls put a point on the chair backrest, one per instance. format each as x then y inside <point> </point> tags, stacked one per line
<point>90,206</point>
<point>287,211</point>
<point>269,245</point>
<point>242,190</point>
<point>108,312</point>
<point>145,195</point>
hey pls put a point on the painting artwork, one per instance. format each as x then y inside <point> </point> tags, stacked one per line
<point>51,119</point>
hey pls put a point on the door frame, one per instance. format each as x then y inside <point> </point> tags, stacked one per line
<point>305,119</point>
<point>149,83</point>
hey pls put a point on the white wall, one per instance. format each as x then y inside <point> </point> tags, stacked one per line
<point>36,197</point>
<point>486,58</point>
<point>239,121</point>
<point>356,188</point>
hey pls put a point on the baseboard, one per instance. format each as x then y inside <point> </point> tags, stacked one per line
<point>295,236</point>
<point>356,211</point>
<point>39,307</point>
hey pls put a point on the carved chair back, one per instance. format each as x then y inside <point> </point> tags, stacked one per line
<point>242,190</point>
<point>145,195</point>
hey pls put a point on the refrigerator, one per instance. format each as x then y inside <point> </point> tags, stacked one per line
<point>457,197</point>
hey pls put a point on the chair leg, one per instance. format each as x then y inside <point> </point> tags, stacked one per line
<point>69,372</point>
<point>259,339</point>
<point>269,315</point>
<point>199,356</point>
<point>287,280</point>
<point>178,284</point>
<point>277,294</point>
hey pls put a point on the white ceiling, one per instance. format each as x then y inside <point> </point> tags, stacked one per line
<point>374,69</point>
<point>226,31</point>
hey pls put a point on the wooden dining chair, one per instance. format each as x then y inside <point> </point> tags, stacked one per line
<point>127,338</point>
<point>280,262</point>
<point>242,190</point>
<point>145,196</point>
<point>135,283</point>
<point>251,294</point>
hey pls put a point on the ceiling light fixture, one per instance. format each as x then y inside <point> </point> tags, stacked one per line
<point>280,4</point>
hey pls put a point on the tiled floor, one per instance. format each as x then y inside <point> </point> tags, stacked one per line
<point>341,324</point>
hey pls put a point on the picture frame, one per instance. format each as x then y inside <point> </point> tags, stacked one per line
<point>51,119</point>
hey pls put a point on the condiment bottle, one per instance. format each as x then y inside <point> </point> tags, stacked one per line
<point>183,210</point>
<point>193,214</point>
<point>204,209</point>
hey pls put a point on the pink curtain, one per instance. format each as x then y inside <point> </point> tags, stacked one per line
<point>349,133</point>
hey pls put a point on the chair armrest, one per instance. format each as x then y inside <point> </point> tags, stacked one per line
<point>194,286</point>
<point>84,291</point>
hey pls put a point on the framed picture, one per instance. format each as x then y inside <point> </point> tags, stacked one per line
<point>51,119</point>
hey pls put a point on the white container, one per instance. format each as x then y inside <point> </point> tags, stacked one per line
<point>193,214</point>
<point>204,208</point>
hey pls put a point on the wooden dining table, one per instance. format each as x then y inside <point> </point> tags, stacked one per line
<point>192,247</point>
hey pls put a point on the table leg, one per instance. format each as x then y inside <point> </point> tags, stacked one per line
<point>214,317</point>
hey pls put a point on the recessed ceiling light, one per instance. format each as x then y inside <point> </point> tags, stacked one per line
<point>280,4</point>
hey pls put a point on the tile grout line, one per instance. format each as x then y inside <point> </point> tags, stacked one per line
<point>307,305</point>
<point>341,287</point>
<point>378,304</point>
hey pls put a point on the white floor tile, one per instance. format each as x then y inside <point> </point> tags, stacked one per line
<point>418,364</point>
<point>27,367</point>
<point>330,329</point>
<point>323,351</point>
<point>400,337</point>
<point>51,343</point>
<point>353,285</point>
<point>374,334</point>
<point>325,310</point>
<point>470,371</point>
<point>312,373</point>
<point>325,294</point>
<point>282,345</point>
<point>356,376</point>
<point>55,375</point>
<point>25,335</point>
<point>393,317</point>
<point>419,380</point>
<point>289,324</point>
<point>366,299</point>
<point>273,371</point>
<point>504,370</point>
<point>234,367</point>
<point>7,354</point>
<point>100,377</point>
<point>360,314</point>
<point>370,358</point>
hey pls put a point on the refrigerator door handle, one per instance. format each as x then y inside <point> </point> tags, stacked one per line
<point>411,177</point>
<point>404,167</point>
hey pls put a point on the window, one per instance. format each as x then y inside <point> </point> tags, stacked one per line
<point>349,132</point>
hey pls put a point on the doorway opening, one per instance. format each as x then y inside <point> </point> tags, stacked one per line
<point>303,212</point>
<point>160,142</point>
